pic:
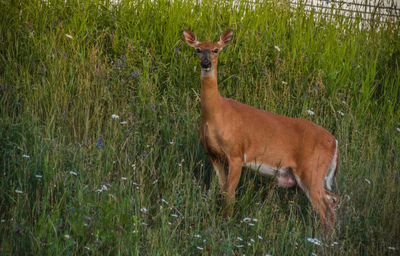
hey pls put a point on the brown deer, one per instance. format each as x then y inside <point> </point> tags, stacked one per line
<point>235,135</point>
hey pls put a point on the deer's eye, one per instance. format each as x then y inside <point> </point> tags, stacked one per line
<point>215,50</point>
<point>198,50</point>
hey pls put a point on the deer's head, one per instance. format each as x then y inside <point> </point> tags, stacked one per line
<point>207,52</point>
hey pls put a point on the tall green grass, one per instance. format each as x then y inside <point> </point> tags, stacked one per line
<point>76,181</point>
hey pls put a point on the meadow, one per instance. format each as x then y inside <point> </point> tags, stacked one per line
<point>99,117</point>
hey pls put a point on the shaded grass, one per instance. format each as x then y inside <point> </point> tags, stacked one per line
<point>58,94</point>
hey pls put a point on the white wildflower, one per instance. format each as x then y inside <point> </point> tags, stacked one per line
<point>252,240</point>
<point>251,224</point>
<point>367,180</point>
<point>143,223</point>
<point>239,245</point>
<point>144,209</point>
<point>314,241</point>
<point>197,235</point>
<point>123,178</point>
<point>398,129</point>
<point>174,215</point>
<point>334,243</point>
<point>310,112</point>
<point>247,219</point>
<point>25,156</point>
<point>73,173</point>
<point>115,116</point>
<point>69,36</point>
<point>164,201</point>
<point>123,122</point>
<point>134,166</point>
<point>284,83</point>
<point>255,219</point>
<point>392,248</point>
<point>259,237</point>
<point>277,48</point>
<point>180,164</point>
<point>172,142</point>
<point>239,238</point>
<point>200,248</point>
<point>340,113</point>
<point>155,181</point>
<point>18,191</point>
<point>87,248</point>
<point>67,236</point>
<point>38,176</point>
<point>169,223</point>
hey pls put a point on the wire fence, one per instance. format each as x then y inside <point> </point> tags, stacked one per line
<point>387,11</point>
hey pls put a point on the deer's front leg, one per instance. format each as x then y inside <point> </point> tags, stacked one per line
<point>235,170</point>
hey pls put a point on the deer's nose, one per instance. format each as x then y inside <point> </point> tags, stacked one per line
<point>205,60</point>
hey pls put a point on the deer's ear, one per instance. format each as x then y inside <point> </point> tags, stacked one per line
<point>225,37</point>
<point>190,38</point>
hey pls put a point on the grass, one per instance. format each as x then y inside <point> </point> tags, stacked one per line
<point>74,180</point>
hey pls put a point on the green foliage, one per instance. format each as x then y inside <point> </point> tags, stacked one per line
<point>76,181</point>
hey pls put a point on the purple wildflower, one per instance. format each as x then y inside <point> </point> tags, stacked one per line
<point>99,143</point>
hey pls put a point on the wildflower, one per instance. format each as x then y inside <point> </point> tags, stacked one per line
<point>69,36</point>
<point>277,48</point>
<point>38,176</point>
<point>259,237</point>
<point>144,223</point>
<point>115,116</point>
<point>367,180</point>
<point>164,201</point>
<point>63,116</point>
<point>200,248</point>
<point>123,178</point>
<point>87,248</point>
<point>340,113</point>
<point>252,240</point>
<point>155,181</point>
<point>251,224</point>
<point>174,215</point>
<point>197,235</point>
<point>25,156</point>
<point>99,143</point>
<point>18,191</point>
<point>398,129</point>
<point>134,166</point>
<point>239,238</point>
<point>291,202</point>
<point>171,142</point>
<point>144,210</point>
<point>284,83</point>
<point>334,243</point>
<point>255,219</point>
<point>247,219</point>
<point>239,245</point>
<point>124,122</point>
<point>3,220</point>
<point>392,248</point>
<point>314,241</point>
<point>73,173</point>
<point>67,236</point>
<point>347,197</point>
<point>310,112</point>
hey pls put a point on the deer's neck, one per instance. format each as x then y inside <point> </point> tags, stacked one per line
<point>210,97</point>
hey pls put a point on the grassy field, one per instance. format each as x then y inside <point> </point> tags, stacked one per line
<point>99,116</point>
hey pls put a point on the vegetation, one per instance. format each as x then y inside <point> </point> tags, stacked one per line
<point>99,115</point>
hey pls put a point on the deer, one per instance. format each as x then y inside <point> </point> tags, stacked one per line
<point>295,151</point>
